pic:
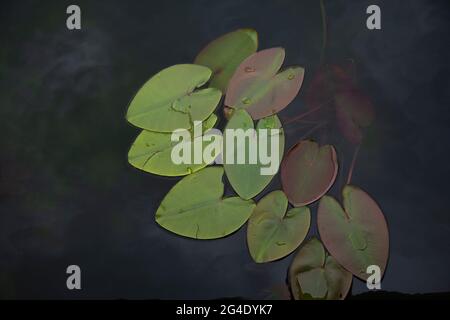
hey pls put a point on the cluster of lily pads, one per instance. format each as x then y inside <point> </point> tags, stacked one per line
<point>354,234</point>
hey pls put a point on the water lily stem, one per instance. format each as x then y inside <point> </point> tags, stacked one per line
<point>324,30</point>
<point>318,126</point>
<point>307,113</point>
<point>352,166</point>
<point>301,116</point>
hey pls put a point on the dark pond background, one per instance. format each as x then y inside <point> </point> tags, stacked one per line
<point>68,195</point>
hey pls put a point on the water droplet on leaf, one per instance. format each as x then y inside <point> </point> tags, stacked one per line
<point>246,100</point>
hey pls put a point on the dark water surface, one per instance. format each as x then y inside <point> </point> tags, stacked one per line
<point>68,195</point>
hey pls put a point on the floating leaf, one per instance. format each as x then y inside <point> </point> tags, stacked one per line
<point>316,275</point>
<point>353,112</point>
<point>194,207</point>
<point>246,179</point>
<point>356,235</point>
<point>169,101</point>
<point>257,88</point>
<point>308,171</point>
<point>151,151</point>
<point>272,233</point>
<point>224,54</point>
<point>333,89</point>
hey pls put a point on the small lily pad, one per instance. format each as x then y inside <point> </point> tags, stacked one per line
<point>314,274</point>
<point>272,233</point>
<point>308,171</point>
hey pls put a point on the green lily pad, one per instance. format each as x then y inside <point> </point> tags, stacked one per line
<point>257,88</point>
<point>272,233</point>
<point>151,151</point>
<point>246,179</point>
<point>308,171</point>
<point>195,207</point>
<point>356,235</point>
<point>224,54</point>
<point>170,101</point>
<point>314,274</point>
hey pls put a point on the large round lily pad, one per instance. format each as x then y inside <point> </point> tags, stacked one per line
<point>195,207</point>
<point>357,234</point>
<point>272,233</point>
<point>314,274</point>
<point>308,171</point>
<point>170,99</point>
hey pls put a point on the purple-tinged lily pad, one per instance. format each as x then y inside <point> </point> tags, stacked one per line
<point>308,171</point>
<point>355,234</point>
<point>259,89</point>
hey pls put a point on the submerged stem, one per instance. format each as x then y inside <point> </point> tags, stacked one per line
<point>323,16</point>
<point>307,113</point>
<point>318,126</point>
<point>352,166</point>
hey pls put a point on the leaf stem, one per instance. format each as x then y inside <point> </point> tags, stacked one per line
<point>318,126</point>
<point>307,113</point>
<point>323,16</point>
<point>352,166</point>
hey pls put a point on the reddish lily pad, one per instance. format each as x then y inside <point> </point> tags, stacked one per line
<point>333,89</point>
<point>353,111</point>
<point>314,274</point>
<point>257,88</point>
<point>357,234</point>
<point>308,171</point>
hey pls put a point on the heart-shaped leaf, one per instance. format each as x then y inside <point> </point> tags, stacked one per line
<point>224,54</point>
<point>194,207</point>
<point>335,92</point>
<point>314,274</point>
<point>308,171</point>
<point>257,88</point>
<point>272,233</point>
<point>169,101</point>
<point>246,178</point>
<point>356,235</point>
<point>151,151</point>
<point>354,111</point>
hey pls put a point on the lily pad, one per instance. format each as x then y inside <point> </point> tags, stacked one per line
<point>356,235</point>
<point>195,207</point>
<point>247,179</point>
<point>354,111</point>
<point>314,274</point>
<point>224,54</point>
<point>170,101</point>
<point>335,92</point>
<point>272,233</point>
<point>257,88</point>
<point>151,151</point>
<point>308,171</point>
